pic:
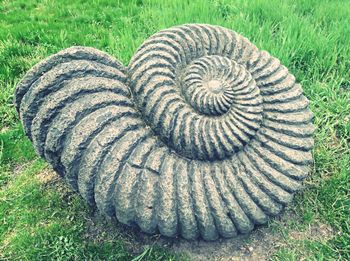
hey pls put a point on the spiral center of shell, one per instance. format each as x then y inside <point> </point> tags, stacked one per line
<point>208,84</point>
<point>209,110</point>
<point>215,87</point>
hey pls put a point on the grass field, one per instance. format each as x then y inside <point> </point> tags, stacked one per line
<point>41,219</point>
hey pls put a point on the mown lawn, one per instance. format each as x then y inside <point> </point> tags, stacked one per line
<point>41,219</point>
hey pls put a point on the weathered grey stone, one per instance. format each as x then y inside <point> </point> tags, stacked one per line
<point>202,135</point>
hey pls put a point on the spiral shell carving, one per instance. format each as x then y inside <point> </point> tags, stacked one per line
<point>202,135</point>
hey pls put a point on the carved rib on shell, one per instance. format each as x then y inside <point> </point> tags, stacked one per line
<point>202,135</point>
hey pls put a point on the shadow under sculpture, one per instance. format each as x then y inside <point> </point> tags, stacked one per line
<point>202,135</point>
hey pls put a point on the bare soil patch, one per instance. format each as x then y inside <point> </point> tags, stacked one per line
<point>261,244</point>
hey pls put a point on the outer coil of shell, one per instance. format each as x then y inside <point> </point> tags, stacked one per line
<point>202,135</point>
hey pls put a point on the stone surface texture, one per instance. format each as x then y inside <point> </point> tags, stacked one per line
<point>202,135</point>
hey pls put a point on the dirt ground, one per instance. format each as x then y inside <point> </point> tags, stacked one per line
<point>260,244</point>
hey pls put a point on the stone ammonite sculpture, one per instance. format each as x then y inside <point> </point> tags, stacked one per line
<point>202,135</point>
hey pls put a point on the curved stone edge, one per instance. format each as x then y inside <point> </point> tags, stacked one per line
<point>66,55</point>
